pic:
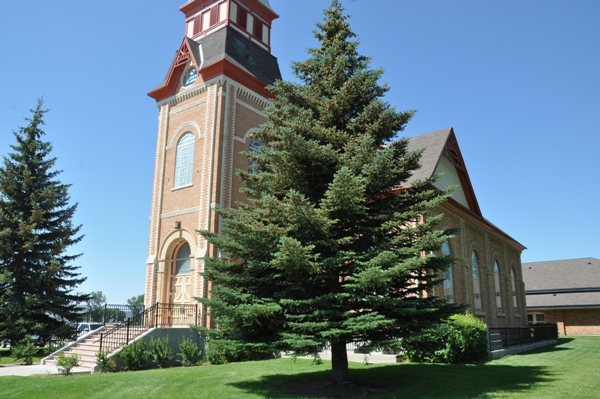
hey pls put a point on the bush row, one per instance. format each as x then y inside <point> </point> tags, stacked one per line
<point>136,354</point>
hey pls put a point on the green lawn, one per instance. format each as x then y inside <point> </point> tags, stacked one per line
<point>569,370</point>
<point>6,359</point>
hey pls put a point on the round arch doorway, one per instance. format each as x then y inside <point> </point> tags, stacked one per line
<point>181,275</point>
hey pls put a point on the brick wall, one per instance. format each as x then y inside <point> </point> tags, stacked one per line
<point>575,321</point>
<point>489,248</point>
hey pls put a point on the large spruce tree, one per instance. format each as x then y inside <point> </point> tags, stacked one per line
<point>36,231</point>
<point>331,247</point>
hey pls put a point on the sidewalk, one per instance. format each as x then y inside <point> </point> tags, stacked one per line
<point>37,369</point>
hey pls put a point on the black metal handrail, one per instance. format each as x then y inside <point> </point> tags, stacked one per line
<point>60,336</point>
<point>505,337</point>
<point>107,313</point>
<point>158,315</point>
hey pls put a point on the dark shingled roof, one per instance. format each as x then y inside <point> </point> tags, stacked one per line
<point>228,44</point>
<point>250,57</point>
<point>572,283</point>
<point>433,143</point>
<point>435,146</point>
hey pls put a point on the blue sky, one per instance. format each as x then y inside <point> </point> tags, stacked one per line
<point>518,80</point>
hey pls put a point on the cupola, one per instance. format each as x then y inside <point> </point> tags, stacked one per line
<point>250,18</point>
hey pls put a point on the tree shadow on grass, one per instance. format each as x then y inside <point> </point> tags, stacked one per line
<point>563,340</point>
<point>418,380</point>
<point>549,348</point>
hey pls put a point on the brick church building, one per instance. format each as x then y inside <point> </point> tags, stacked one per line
<point>209,103</point>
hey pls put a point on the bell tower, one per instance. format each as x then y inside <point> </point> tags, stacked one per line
<point>209,102</point>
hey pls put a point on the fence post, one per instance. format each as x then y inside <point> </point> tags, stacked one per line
<point>101,336</point>
<point>505,337</point>
<point>156,313</point>
<point>104,315</point>
<point>520,337</point>
<point>127,341</point>
<point>532,337</point>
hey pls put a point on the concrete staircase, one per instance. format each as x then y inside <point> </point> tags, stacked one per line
<point>86,348</point>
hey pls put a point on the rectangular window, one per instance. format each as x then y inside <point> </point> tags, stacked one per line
<point>540,318</point>
<point>206,20</point>
<point>190,28</point>
<point>250,23</point>
<point>233,12</point>
<point>265,34</point>
<point>222,11</point>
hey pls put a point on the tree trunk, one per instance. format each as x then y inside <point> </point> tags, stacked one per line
<point>339,363</point>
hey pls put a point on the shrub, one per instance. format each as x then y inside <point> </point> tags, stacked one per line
<point>105,363</point>
<point>25,350</point>
<point>221,351</point>
<point>54,345</point>
<point>190,354</point>
<point>66,363</point>
<point>160,351</point>
<point>134,355</point>
<point>554,325</point>
<point>460,340</point>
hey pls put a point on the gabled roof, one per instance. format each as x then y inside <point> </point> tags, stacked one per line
<point>438,144</point>
<point>571,283</point>
<point>224,45</point>
<point>442,155</point>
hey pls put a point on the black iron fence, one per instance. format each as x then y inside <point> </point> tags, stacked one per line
<point>88,321</point>
<point>158,315</point>
<point>505,337</point>
<point>61,336</point>
<point>108,313</point>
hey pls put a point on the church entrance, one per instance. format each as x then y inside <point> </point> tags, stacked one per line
<point>181,309</point>
<point>182,276</point>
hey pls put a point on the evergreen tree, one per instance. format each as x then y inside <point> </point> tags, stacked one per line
<point>331,247</point>
<point>136,304</point>
<point>36,275</point>
<point>95,306</point>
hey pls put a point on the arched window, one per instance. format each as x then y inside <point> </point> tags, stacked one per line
<point>476,282</point>
<point>254,147</point>
<point>498,286</point>
<point>448,275</point>
<point>513,283</point>
<point>182,260</point>
<point>184,160</point>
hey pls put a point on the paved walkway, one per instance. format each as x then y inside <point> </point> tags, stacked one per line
<point>36,369</point>
<point>356,357</point>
